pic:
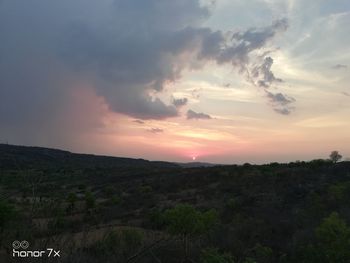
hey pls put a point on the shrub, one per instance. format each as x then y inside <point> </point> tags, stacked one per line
<point>89,200</point>
<point>7,212</point>
<point>187,222</point>
<point>333,237</point>
<point>212,255</point>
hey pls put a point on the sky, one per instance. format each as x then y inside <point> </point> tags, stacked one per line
<point>223,81</point>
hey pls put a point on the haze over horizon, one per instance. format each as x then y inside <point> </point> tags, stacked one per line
<point>221,81</point>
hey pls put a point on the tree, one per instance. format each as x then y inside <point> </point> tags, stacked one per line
<point>187,222</point>
<point>335,156</point>
<point>333,236</point>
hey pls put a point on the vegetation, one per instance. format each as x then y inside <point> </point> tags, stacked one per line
<point>187,223</point>
<point>335,156</point>
<point>212,255</point>
<point>124,210</point>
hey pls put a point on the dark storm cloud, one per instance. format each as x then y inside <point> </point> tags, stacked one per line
<point>135,52</point>
<point>125,49</point>
<point>197,115</point>
<point>180,102</point>
<point>144,59</point>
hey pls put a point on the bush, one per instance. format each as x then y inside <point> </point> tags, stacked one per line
<point>7,212</point>
<point>71,199</point>
<point>118,245</point>
<point>131,239</point>
<point>109,191</point>
<point>263,254</point>
<point>89,200</point>
<point>333,237</point>
<point>145,189</point>
<point>186,220</point>
<point>232,203</point>
<point>212,255</point>
<point>156,219</point>
<point>338,193</point>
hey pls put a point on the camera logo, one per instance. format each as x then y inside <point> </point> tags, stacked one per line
<point>20,244</point>
<point>19,250</point>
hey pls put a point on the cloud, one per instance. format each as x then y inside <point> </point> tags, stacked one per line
<point>180,102</point>
<point>283,111</point>
<point>128,49</point>
<point>280,98</point>
<point>134,53</point>
<point>196,93</point>
<point>237,47</point>
<point>340,66</point>
<point>346,93</point>
<point>242,50</point>
<point>123,51</point>
<point>139,121</point>
<point>264,74</point>
<point>280,102</point>
<point>129,54</point>
<point>156,130</point>
<point>197,115</point>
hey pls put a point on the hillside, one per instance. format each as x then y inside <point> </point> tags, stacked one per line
<point>107,209</point>
<point>25,156</point>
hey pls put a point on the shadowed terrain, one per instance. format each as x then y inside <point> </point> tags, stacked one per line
<point>108,209</point>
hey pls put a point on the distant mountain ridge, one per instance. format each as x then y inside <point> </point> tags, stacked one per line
<point>198,164</point>
<point>26,156</point>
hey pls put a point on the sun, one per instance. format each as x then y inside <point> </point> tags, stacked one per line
<point>194,158</point>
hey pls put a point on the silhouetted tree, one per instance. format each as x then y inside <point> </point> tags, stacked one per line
<point>335,156</point>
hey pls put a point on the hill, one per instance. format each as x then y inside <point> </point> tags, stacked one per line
<point>25,156</point>
<point>198,165</point>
